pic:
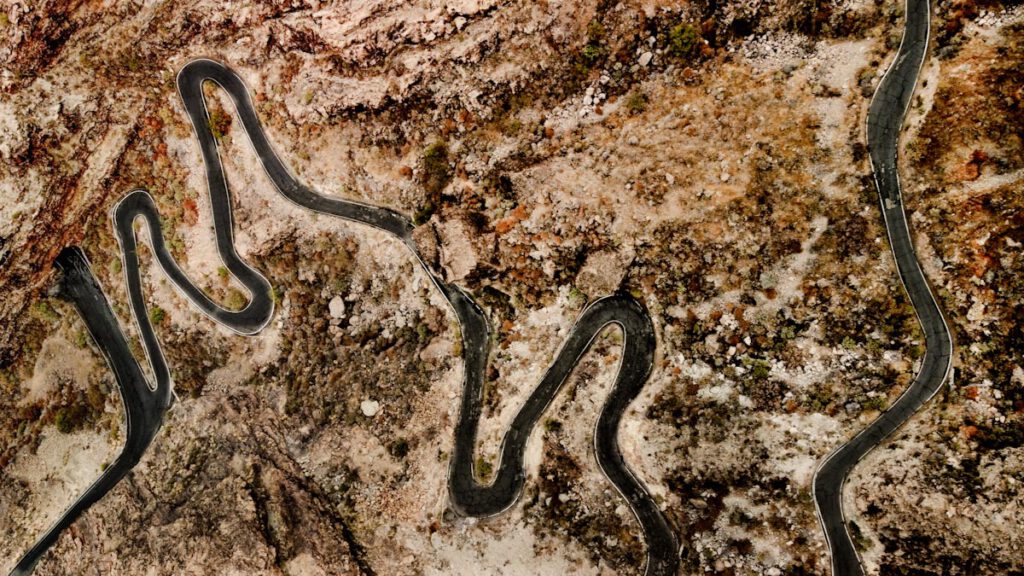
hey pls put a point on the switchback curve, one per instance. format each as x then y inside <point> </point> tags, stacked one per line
<point>467,494</point>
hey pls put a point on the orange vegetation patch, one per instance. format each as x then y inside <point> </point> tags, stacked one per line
<point>190,211</point>
<point>505,224</point>
<point>972,169</point>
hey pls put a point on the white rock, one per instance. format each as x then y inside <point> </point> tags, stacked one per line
<point>336,307</point>
<point>725,177</point>
<point>645,58</point>
<point>369,408</point>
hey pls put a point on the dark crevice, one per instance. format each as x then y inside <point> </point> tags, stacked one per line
<point>259,500</point>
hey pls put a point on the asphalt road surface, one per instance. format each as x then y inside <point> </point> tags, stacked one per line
<point>468,495</point>
<point>144,407</point>
<point>885,120</point>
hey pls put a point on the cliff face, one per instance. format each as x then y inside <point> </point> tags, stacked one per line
<point>707,157</point>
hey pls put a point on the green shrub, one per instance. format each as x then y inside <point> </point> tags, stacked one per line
<point>43,311</point>
<point>592,53</point>
<point>131,61</point>
<point>594,50</point>
<point>876,403</point>
<point>483,468</point>
<point>423,213</point>
<point>761,370</point>
<point>577,298</point>
<point>70,418</point>
<point>63,421</point>
<point>219,123</point>
<point>157,315</point>
<point>860,541</point>
<point>636,102</point>
<point>684,40</point>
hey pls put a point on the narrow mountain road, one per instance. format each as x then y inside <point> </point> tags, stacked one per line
<point>885,121</point>
<point>144,407</point>
<point>468,495</point>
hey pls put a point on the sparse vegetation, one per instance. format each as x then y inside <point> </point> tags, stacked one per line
<point>219,123</point>
<point>435,176</point>
<point>636,102</point>
<point>42,310</point>
<point>67,419</point>
<point>235,299</point>
<point>483,468</point>
<point>594,50</point>
<point>577,299</point>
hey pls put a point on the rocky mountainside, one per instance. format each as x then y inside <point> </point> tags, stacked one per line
<point>708,157</point>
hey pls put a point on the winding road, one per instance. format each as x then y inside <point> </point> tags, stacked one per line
<point>885,121</point>
<point>147,405</point>
<point>144,406</point>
